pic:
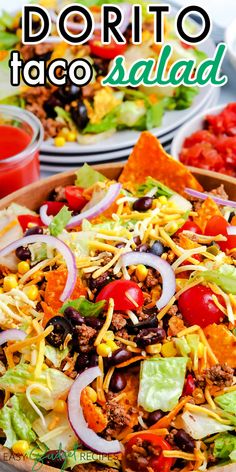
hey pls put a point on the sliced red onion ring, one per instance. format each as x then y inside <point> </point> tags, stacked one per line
<point>231,230</point>
<point>57,244</point>
<point>45,218</point>
<point>12,335</point>
<point>204,196</point>
<point>76,417</point>
<point>163,267</point>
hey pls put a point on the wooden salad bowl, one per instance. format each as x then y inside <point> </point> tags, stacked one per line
<point>32,196</point>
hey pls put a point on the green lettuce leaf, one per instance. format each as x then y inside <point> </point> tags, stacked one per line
<point>227,402</point>
<point>182,99</point>
<point>200,425</point>
<point>155,115</point>
<point>16,419</point>
<point>8,40</point>
<point>224,277</point>
<point>6,20</point>
<point>224,445</point>
<point>85,307</point>
<point>40,252</point>
<point>151,184</point>
<point>130,113</point>
<point>56,356</point>
<point>64,115</point>
<point>109,122</point>
<point>60,221</point>
<point>161,383</point>
<point>86,177</point>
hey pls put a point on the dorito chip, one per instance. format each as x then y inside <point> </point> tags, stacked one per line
<point>207,210</point>
<point>148,158</point>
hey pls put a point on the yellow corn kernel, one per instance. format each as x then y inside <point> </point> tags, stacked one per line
<point>48,3</point>
<point>172,227</point>
<point>44,366</point>
<point>64,132</point>
<point>60,406</point>
<point>168,349</point>
<point>109,336</point>
<point>71,137</point>
<point>20,447</point>
<point>162,199</point>
<point>1,290</point>
<point>112,345</point>
<point>59,141</point>
<point>32,292</point>
<point>201,350</point>
<point>154,348</point>
<point>92,394</point>
<point>9,282</point>
<point>141,272</point>
<point>23,267</point>
<point>104,350</point>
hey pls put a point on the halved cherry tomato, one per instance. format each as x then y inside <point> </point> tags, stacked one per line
<point>156,462</point>
<point>187,46</point>
<point>127,295</point>
<point>218,225</point>
<point>189,225</point>
<point>106,51</point>
<point>54,207</point>
<point>25,220</point>
<point>198,308</point>
<point>75,198</point>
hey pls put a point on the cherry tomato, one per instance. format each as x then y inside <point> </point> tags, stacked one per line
<point>25,220</point>
<point>54,207</point>
<point>189,386</point>
<point>106,51</point>
<point>156,462</point>
<point>189,226</point>
<point>123,292</point>
<point>75,198</point>
<point>197,306</point>
<point>186,45</point>
<point>218,225</point>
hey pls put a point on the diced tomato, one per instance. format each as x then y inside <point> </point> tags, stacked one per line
<point>54,207</point>
<point>25,220</point>
<point>106,51</point>
<point>75,198</point>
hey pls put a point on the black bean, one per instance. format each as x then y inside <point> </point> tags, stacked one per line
<point>120,245</point>
<point>118,382</point>
<point>149,336</point>
<point>142,248</point>
<point>99,282</point>
<point>61,328</point>
<point>154,417</point>
<point>157,248</point>
<point>82,362</point>
<point>143,204</point>
<point>34,230</point>
<point>137,240</point>
<point>119,356</point>
<point>23,253</point>
<point>93,361</point>
<point>73,316</point>
<point>55,458</point>
<point>94,323</point>
<point>150,322</point>
<point>184,441</point>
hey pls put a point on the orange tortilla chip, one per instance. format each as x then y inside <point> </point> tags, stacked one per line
<point>55,284</point>
<point>223,344</point>
<point>207,210</point>
<point>148,158</point>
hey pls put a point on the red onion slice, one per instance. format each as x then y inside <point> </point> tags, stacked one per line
<point>76,417</point>
<point>45,218</point>
<point>231,230</point>
<point>163,267</point>
<point>57,244</point>
<point>204,196</point>
<point>12,335</point>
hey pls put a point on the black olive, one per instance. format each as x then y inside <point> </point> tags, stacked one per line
<point>231,216</point>
<point>101,66</point>
<point>143,204</point>
<point>67,93</point>
<point>149,336</point>
<point>150,322</point>
<point>184,441</point>
<point>157,248</point>
<point>73,316</point>
<point>55,458</point>
<point>119,356</point>
<point>23,253</point>
<point>34,230</point>
<point>82,362</point>
<point>50,106</point>
<point>154,417</point>
<point>44,57</point>
<point>79,114</point>
<point>118,382</point>
<point>61,328</point>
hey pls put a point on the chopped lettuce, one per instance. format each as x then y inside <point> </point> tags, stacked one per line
<point>60,221</point>
<point>85,307</point>
<point>154,115</point>
<point>19,377</point>
<point>224,277</point>
<point>40,252</point>
<point>109,122</point>
<point>65,440</point>
<point>16,418</point>
<point>224,446</point>
<point>151,184</point>
<point>6,20</point>
<point>8,40</point>
<point>161,383</point>
<point>227,402</point>
<point>130,113</point>
<point>64,115</point>
<point>200,425</point>
<point>56,356</point>
<point>182,99</point>
<point>86,177</point>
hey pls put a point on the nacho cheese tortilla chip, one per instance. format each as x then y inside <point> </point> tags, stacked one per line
<point>207,210</point>
<point>148,158</point>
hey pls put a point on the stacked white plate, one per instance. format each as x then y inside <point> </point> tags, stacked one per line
<point>119,146</point>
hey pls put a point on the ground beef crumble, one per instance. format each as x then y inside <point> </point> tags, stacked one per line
<point>219,375</point>
<point>92,467</point>
<point>85,335</point>
<point>118,321</point>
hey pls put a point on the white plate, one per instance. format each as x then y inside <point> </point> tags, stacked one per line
<point>127,138</point>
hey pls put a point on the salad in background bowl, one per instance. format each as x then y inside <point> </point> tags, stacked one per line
<point>93,113</point>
